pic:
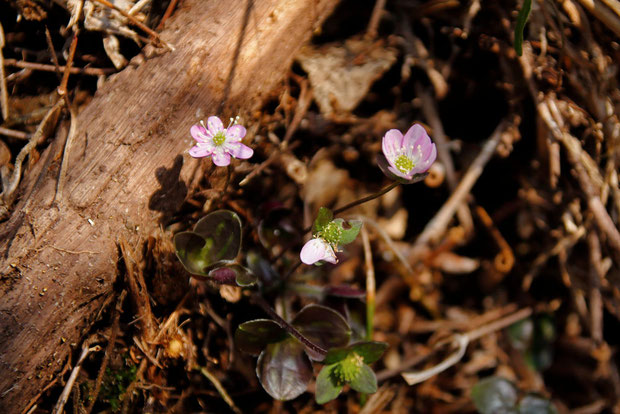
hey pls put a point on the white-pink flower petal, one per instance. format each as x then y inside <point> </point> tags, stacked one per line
<point>392,142</point>
<point>241,151</point>
<point>200,151</point>
<point>316,250</point>
<point>221,158</point>
<point>235,133</point>
<point>214,125</point>
<point>199,133</point>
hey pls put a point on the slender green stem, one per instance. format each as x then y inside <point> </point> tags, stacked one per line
<point>367,198</point>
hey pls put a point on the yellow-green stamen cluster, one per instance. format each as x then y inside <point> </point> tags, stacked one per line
<point>219,138</point>
<point>349,368</point>
<point>404,164</point>
<point>331,233</point>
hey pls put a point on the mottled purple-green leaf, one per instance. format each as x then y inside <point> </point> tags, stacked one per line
<point>216,239</point>
<point>192,251</point>
<point>224,228</point>
<point>253,336</point>
<point>284,370</point>
<point>494,395</point>
<point>365,381</point>
<point>328,387</point>
<point>323,326</point>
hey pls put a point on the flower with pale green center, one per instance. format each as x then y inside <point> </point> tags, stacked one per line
<point>410,154</point>
<point>316,250</point>
<point>218,142</point>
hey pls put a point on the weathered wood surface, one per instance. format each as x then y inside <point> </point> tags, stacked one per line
<point>59,259</point>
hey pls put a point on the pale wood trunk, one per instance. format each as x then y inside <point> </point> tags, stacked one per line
<point>59,259</point>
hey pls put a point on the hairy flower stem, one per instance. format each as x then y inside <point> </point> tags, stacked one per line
<point>367,198</point>
<point>258,300</point>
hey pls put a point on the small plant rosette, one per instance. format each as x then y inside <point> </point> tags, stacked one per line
<point>348,365</point>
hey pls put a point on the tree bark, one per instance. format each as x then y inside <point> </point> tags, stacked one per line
<point>128,165</point>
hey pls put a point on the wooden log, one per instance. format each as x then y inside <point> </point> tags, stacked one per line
<point>59,259</point>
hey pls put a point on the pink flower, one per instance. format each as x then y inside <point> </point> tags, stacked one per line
<point>410,154</point>
<point>219,142</point>
<point>316,250</point>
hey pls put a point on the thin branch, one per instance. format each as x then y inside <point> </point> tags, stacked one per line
<point>58,409</point>
<point>51,68</point>
<point>436,227</point>
<point>220,389</point>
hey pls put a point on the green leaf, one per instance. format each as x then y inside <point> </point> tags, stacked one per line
<point>365,381</point>
<point>253,336</point>
<point>284,370</point>
<point>324,217</point>
<point>323,326</point>
<point>520,334</point>
<point>216,239</point>
<point>327,386</point>
<point>370,351</point>
<point>335,355</point>
<point>524,14</point>
<point>224,228</point>
<point>192,251</point>
<point>349,235</point>
<point>535,404</point>
<point>494,395</point>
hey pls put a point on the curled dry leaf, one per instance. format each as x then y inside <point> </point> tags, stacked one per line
<point>341,74</point>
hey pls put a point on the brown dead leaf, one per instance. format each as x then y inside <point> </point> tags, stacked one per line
<point>341,74</point>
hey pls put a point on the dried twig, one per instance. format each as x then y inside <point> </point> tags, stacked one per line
<point>4,94</point>
<point>375,18</point>
<point>48,123</point>
<point>220,389</point>
<point>461,341</point>
<point>51,68</point>
<point>108,351</point>
<point>370,286</point>
<point>429,108</point>
<point>436,227</point>
<point>58,409</point>
<point>138,23</point>
<point>15,134</point>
